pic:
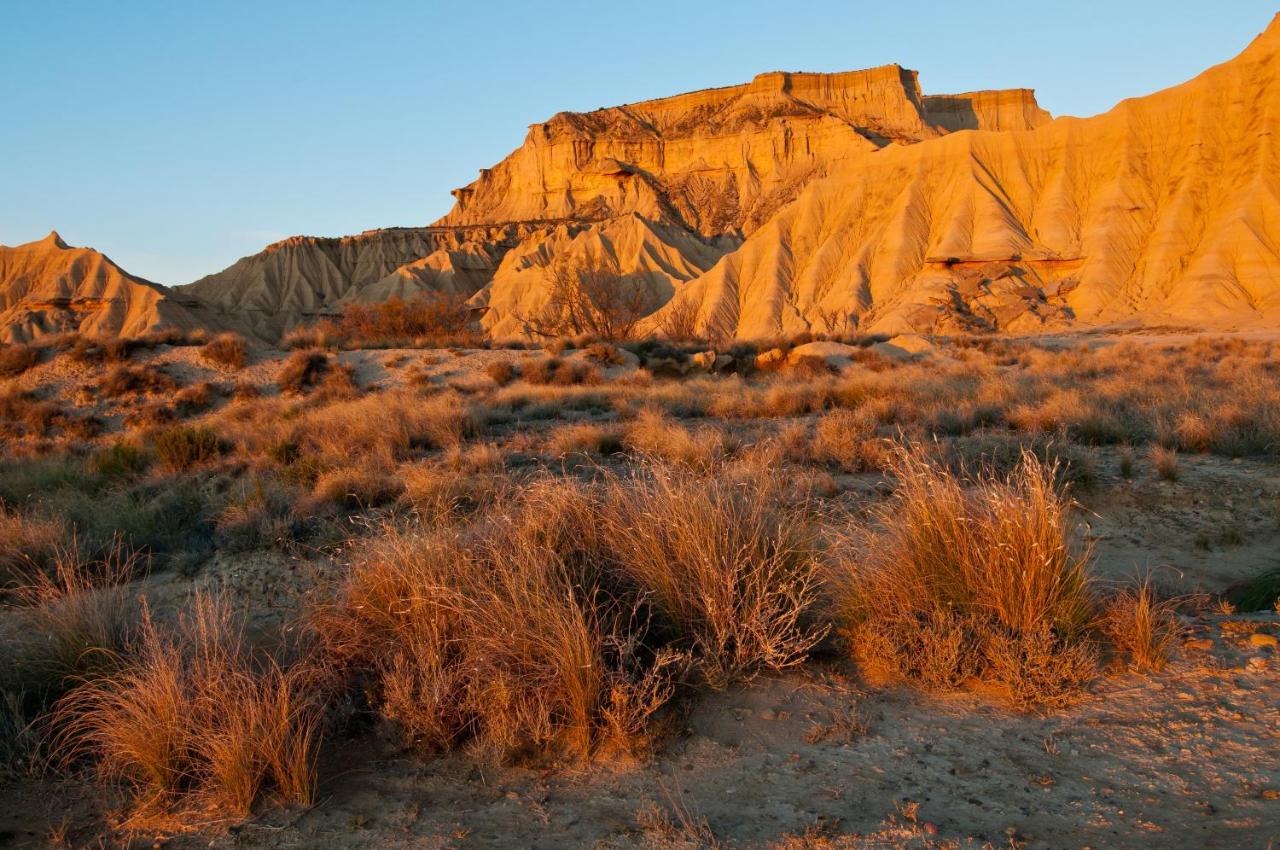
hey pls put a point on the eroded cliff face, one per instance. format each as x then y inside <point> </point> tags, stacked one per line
<point>304,277</point>
<point>819,202</point>
<point>48,287</point>
<point>722,160</point>
<point>1166,209</point>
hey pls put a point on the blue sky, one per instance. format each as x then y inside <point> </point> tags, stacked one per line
<point>177,137</point>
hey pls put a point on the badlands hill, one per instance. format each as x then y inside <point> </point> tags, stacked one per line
<point>833,202</point>
<point>48,287</point>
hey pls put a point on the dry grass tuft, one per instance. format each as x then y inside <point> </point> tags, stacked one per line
<point>951,583</point>
<point>1165,461</point>
<point>17,358</point>
<point>585,438</point>
<point>302,371</point>
<point>656,435</point>
<point>493,638</point>
<point>1142,626</point>
<point>728,561</point>
<point>132,380</point>
<point>502,372</point>
<point>192,720</point>
<point>227,349</point>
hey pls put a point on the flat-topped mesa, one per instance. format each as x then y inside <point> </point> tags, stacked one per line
<point>721,160</point>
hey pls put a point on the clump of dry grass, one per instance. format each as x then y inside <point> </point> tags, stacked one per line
<point>75,613</point>
<point>302,371</point>
<point>1142,626</point>
<point>227,349</point>
<point>729,563</point>
<point>502,372</point>
<point>656,435</point>
<point>191,720</point>
<point>27,544</point>
<point>1165,461</point>
<point>356,487</point>
<point>17,358</point>
<point>130,380</point>
<point>951,582</point>
<point>585,438</point>
<point>491,637</point>
<point>440,495</point>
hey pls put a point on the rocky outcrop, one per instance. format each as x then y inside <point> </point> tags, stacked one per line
<point>49,287</point>
<point>723,160</point>
<point>1163,210</point>
<point>304,277</point>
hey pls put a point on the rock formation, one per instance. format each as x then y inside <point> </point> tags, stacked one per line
<point>48,287</point>
<point>721,160</point>
<point>794,202</point>
<point>1165,209</point>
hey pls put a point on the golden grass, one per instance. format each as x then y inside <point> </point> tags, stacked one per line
<point>1165,462</point>
<point>191,721</point>
<point>494,638</point>
<point>728,561</point>
<point>951,582</point>
<point>1142,626</point>
<point>227,349</point>
<point>656,435</point>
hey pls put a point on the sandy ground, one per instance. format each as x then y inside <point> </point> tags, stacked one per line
<point>1188,757</point>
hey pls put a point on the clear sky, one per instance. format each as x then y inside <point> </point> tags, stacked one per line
<point>178,136</point>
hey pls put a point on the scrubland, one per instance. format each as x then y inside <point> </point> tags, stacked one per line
<point>230,575</point>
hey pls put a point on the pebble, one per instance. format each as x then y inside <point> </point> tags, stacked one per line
<point>1200,644</point>
<point>1257,663</point>
<point>1261,639</point>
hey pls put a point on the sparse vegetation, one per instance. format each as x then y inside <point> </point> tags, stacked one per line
<point>227,349</point>
<point>949,583</point>
<point>17,358</point>
<point>674,529</point>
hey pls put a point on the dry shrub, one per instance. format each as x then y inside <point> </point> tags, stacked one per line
<point>183,447</point>
<point>438,494</point>
<point>99,351</point>
<point>227,349</point>
<point>436,320</point>
<point>491,637</point>
<point>302,371</point>
<point>1142,626</point>
<point>558,372</point>
<point>951,582</point>
<point>604,353</point>
<point>655,435</point>
<point>727,560</point>
<point>356,487</point>
<point>1165,461</point>
<point>192,721</point>
<point>585,438</point>
<point>848,438</point>
<point>27,544</point>
<point>196,398</point>
<point>502,372</point>
<point>131,380</point>
<point>17,358</point>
